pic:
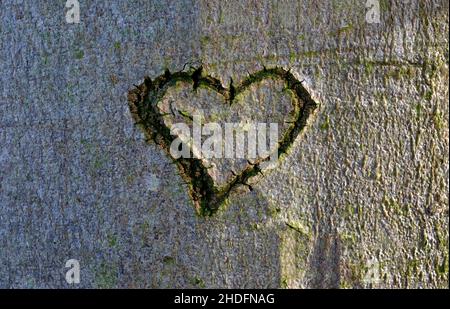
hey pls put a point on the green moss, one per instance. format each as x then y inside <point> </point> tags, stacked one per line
<point>412,268</point>
<point>418,110</point>
<point>385,5</point>
<point>394,206</point>
<point>198,282</point>
<point>428,95</point>
<point>326,124</point>
<point>112,240</point>
<point>204,40</point>
<point>399,72</point>
<point>369,67</point>
<point>350,211</point>
<point>168,260</point>
<point>79,54</point>
<point>106,276</point>
<point>274,211</point>
<point>349,238</point>
<point>378,173</point>
<point>341,6</point>
<point>284,283</point>
<point>438,120</point>
<point>98,162</point>
<point>354,274</point>
<point>130,178</point>
<point>255,226</point>
<point>145,227</point>
<point>292,56</point>
<point>443,268</point>
<point>117,45</point>
<point>343,30</point>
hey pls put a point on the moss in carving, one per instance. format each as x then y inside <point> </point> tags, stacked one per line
<point>206,195</point>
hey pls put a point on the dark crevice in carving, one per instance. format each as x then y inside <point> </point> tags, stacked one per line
<point>206,195</point>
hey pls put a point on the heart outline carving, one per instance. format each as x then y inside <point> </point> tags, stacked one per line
<point>205,194</point>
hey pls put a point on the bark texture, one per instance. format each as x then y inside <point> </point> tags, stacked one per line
<point>361,201</point>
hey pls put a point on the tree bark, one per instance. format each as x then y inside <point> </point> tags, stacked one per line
<point>360,201</point>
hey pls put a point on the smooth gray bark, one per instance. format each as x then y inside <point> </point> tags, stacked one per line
<point>361,200</point>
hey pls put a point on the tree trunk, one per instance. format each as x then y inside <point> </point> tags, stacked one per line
<point>359,201</point>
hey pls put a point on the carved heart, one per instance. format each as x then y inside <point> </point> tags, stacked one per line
<point>206,191</point>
